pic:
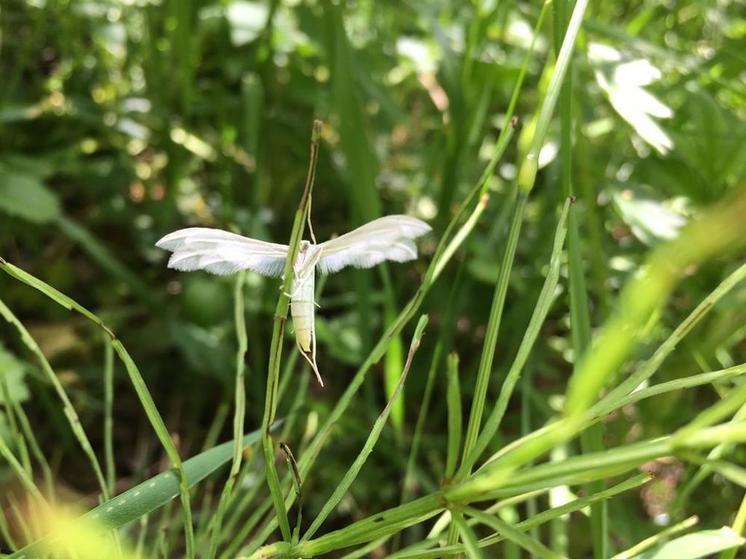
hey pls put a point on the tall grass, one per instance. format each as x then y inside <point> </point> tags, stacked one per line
<point>476,485</point>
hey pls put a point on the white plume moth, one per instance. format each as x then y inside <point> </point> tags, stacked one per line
<point>220,252</point>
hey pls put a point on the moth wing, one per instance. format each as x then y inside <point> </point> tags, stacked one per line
<point>220,252</point>
<point>386,238</point>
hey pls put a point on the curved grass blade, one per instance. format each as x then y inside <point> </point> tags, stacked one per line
<point>151,494</point>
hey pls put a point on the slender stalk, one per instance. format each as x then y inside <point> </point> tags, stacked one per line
<point>20,472</point>
<point>541,309</point>
<point>239,413</point>
<point>372,439</point>
<point>33,444</point>
<point>515,535</point>
<point>69,410</point>
<point>273,373</point>
<point>111,474</point>
<point>637,549</point>
<point>490,341</point>
<point>453,400</point>
<point>15,432</point>
<point>161,431</point>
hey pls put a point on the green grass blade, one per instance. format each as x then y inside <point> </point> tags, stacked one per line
<point>471,545</point>
<point>239,413</point>
<point>533,546</point>
<point>375,432</point>
<point>70,414</point>
<point>111,474</point>
<point>533,522</point>
<point>541,309</point>
<point>156,421</point>
<point>648,369</point>
<point>490,341</point>
<point>278,330</point>
<point>153,493</point>
<point>453,401</point>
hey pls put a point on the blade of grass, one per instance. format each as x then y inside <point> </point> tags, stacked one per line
<point>650,366</point>
<point>161,431</point>
<point>471,545</point>
<point>541,309</point>
<point>534,547</point>
<point>36,451</point>
<point>281,311</point>
<point>15,432</point>
<point>153,493</point>
<point>537,130</point>
<point>372,439</point>
<point>21,474</point>
<point>239,412</point>
<point>70,413</point>
<point>484,371</point>
<point>453,401</point>
<point>111,474</point>
<point>533,522</point>
<point>591,439</point>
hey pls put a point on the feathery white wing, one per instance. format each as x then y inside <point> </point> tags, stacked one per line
<point>220,252</point>
<point>386,238</point>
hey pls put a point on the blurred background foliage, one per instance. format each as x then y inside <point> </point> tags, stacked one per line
<point>121,121</point>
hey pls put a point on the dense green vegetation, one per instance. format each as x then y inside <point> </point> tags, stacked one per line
<point>563,365</point>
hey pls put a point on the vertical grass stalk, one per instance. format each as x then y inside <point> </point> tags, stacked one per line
<point>239,413</point>
<point>275,357</point>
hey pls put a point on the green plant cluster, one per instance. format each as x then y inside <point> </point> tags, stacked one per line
<point>559,374</point>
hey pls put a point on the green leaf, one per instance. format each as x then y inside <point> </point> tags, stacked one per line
<point>23,194</point>
<point>153,493</point>
<point>698,544</point>
<point>12,371</point>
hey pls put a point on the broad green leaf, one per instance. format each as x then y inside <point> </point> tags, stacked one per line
<point>24,195</point>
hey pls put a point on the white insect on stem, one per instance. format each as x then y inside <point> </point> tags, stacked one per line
<point>220,252</point>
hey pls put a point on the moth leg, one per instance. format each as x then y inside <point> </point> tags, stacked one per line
<point>312,357</point>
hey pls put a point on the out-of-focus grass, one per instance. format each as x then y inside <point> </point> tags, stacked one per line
<point>120,122</point>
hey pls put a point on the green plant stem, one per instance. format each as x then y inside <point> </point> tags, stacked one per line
<point>534,547</point>
<point>70,413</point>
<point>161,431</point>
<point>20,472</point>
<point>275,356</point>
<point>37,452</point>
<point>239,413</point>
<point>375,432</point>
<point>490,341</point>
<point>111,474</point>
<point>453,401</point>
<point>541,309</point>
<point>637,549</point>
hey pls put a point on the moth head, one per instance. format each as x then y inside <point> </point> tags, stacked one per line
<point>304,247</point>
